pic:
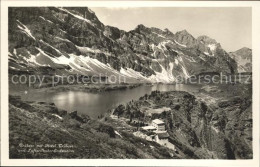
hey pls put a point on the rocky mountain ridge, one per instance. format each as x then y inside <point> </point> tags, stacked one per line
<point>72,40</point>
<point>243,57</point>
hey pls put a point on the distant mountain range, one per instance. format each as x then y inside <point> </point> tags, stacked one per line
<point>72,40</point>
<point>243,57</point>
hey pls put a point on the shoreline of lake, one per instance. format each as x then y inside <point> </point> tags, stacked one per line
<point>95,103</point>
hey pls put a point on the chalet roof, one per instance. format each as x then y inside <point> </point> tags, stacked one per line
<point>164,135</point>
<point>158,122</point>
<point>149,128</point>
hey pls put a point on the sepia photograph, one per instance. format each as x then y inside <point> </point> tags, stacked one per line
<point>90,82</point>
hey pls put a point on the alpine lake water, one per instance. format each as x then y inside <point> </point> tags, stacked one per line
<point>95,104</point>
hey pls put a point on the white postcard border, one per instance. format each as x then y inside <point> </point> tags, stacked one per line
<point>127,162</point>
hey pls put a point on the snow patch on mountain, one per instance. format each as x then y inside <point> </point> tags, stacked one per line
<point>176,61</point>
<point>212,47</point>
<point>206,53</point>
<point>51,46</point>
<point>132,73</point>
<point>180,58</point>
<point>185,72</point>
<point>90,11</point>
<point>46,20</point>
<point>152,46</point>
<point>14,68</point>
<point>77,16</point>
<point>173,58</point>
<point>91,50</point>
<point>32,60</point>
<point>164,76</point>
<point>25,29</point>
<point>62,39</point>
<point>180,44</point>
<point>190,59</point>
<point>159,35</point>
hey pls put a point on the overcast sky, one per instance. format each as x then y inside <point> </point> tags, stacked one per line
<point>231,27</point>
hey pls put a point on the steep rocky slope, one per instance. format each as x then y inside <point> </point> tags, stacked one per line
<point>41,130</point>
<point>243,57</point>
<point>62,41</point>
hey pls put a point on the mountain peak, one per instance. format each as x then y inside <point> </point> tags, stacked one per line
<point>244,49</point>
<point>207,40</point>
<point>166,30</point>
<point>140,26</point>
<point>84,13</point>
<point>243,57</point>
<point>183,32</point>
<point>185,38</point>
<point>146,51</point>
